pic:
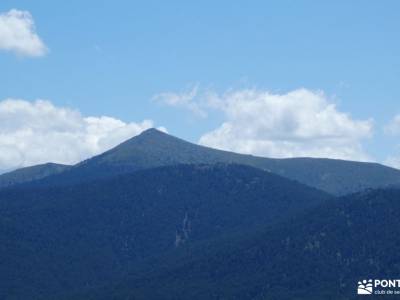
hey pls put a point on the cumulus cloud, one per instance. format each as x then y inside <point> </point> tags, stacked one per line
<point>393,129</point>
<point>39,132</point>
<point>301,123</point>
<point>18,34</point>
<point>186,100</point>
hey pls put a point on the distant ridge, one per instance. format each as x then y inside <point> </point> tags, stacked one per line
<point>28,174</point>
<point>153,148</point>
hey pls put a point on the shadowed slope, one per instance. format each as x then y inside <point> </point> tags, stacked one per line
<point>318,255</point>
<point>59,239</point>
<point>153,148</point>
<point>31,173</point>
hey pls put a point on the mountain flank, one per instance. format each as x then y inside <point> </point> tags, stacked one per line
<point>29,174</point>
<point>56,240</point>
<point>154,148</point>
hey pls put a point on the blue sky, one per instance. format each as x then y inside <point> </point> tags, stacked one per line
<point>110,58</point>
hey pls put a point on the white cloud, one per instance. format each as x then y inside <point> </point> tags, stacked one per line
<point>393,129</point>
<point>39,132</point>
<point>301,123</point>
<point>393,161</point>
<point>18,34</point>
<point>186,100</point>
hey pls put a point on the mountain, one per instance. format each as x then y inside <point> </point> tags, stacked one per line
<point>154,148</point>
<point>28,174</point>
<point>61,239</point>
<point>321,254</point>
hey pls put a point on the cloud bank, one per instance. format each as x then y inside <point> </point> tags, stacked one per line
<point>301,123</point>
<point>18,34</point>
<point>38,132</point>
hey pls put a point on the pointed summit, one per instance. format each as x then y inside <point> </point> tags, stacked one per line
<point>148,135</point>
<point>149,140</point>
<point>152,132</point>
<point>154,148</point>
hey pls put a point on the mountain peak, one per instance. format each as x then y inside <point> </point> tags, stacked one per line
<point>148,135</point>
<point>152,137</point>
<point>154,148</point>
<point>152,131</point>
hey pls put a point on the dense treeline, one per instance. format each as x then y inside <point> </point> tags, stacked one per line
<point>57,239</point>
<point>320,254</point>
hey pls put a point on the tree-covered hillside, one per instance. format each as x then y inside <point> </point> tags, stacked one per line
<point>55,240</point>
<point>320,254</point>
<point>29,174</point>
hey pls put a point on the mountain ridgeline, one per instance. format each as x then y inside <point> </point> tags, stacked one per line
<point>29,174</point>
<point>153,148</point>
<point>159,218</point>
